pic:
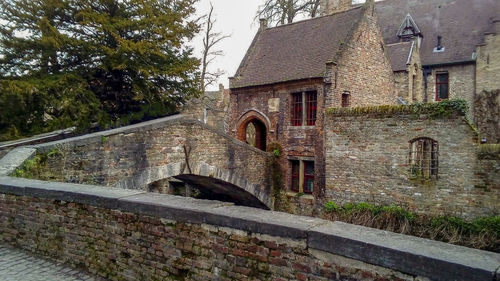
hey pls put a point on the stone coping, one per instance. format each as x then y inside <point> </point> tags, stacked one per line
<point>37,138</point>
<point>140,127</point>
<point>411,255</point>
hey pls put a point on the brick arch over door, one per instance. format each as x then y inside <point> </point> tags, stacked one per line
<point>262,127</point>
<point>220,180</point>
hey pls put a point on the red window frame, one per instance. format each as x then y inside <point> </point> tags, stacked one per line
<point>308,177</point>
<point>297,109</point>
<point>440,82</point>
<point>295,184</point>
<point>312,107</point>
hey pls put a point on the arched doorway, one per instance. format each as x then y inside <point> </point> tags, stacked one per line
<point>254,132</point>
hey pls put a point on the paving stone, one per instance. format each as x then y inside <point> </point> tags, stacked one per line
<point>16,264</point>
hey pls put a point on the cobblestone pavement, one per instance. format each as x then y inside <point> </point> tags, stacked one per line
<point>19,265</point>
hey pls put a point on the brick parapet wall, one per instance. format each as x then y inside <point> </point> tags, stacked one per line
<point>134,156</point>
<point>133,235</point>
<point>367,160</point>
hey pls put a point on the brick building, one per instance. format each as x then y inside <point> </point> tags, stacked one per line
<point>384,53</point>
<point>291,73</point>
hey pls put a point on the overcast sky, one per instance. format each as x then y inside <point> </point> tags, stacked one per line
<point>234,17</point>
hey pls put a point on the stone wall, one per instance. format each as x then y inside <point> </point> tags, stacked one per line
<point>402,85</point>
<point>131,235</point>
<point>135,156</point>
<point>210,109</point>
<point>487,115</point>
<point>461,84</point>
<point>488,61</point>
<point>367,160</point>
<point>363,68</point>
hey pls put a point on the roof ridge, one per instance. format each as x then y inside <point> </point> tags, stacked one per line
<point>315,18</point>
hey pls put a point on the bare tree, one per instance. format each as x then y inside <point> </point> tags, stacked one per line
<point>280,12</point>
<point>210,40</point>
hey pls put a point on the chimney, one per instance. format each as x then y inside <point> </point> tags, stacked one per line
<point>263,24</point>
<point>328,7</point>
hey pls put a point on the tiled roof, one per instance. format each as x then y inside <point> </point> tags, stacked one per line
<point>295,51</point>
<point>398,55</point>
<point>461,23</point>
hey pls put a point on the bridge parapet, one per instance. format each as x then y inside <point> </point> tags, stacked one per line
<point>135,235</point>
<point>137,155</point>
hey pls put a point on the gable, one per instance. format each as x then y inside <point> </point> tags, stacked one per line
<point>296,51</point>
<point>408,28</point>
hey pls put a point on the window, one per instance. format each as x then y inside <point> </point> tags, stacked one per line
<point>297,109</point>
<point>424,154</point>
<point>346,99</point>
<point>302,176</point>
<point>295,176</point>
<point>442,86</point>
<point>308,101</point>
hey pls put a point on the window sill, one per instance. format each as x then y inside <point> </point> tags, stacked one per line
<point>301,127</point>
<point>303,195</point>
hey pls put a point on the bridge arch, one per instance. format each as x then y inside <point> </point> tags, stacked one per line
<point>208,178</point>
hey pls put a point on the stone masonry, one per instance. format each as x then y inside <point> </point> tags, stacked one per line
<point>367,160</point>
<point>133,157</point>
<point>363,69</point>
<point>133,235</point>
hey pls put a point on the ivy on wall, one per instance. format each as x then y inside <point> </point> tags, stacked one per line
<point>444,108</point>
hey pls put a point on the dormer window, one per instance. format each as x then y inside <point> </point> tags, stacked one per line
<point>408,29</point>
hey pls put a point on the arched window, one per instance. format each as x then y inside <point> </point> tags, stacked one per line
<point>424,158</point>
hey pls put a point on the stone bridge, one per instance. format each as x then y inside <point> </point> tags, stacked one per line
<point>171,148</point>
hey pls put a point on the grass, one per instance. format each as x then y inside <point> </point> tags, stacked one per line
<point>481,233</point>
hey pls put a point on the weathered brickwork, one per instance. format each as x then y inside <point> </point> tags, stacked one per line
<point>488,61</point>
<point>209,109</point>
<point>409,83</point>
<point>133,158</point>
<point>367,159</point>
<point>297,141</point>
<point>461,84</point>
<point>363,69</point>
<point>127,246</point>
<point>487,115</point>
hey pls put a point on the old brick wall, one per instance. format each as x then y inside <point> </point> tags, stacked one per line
<point>401,80</point>
<point>127,246</point>
<point>367,161</point>
<point>461,84</point>
<point>111,157</point>
<point>272,104</point>
<point>209,109</point>
<point>127,235</point>
<point>363,69</point>
<point>488,62</point>
<point>487,115</point>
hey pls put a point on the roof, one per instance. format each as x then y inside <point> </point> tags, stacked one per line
<point>399,54</point>
<point>461,23</point>
<point>295,51</point>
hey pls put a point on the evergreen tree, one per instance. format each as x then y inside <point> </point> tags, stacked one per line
<point>70,62</point>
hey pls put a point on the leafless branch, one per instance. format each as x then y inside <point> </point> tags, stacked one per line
<point>210,40</point>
